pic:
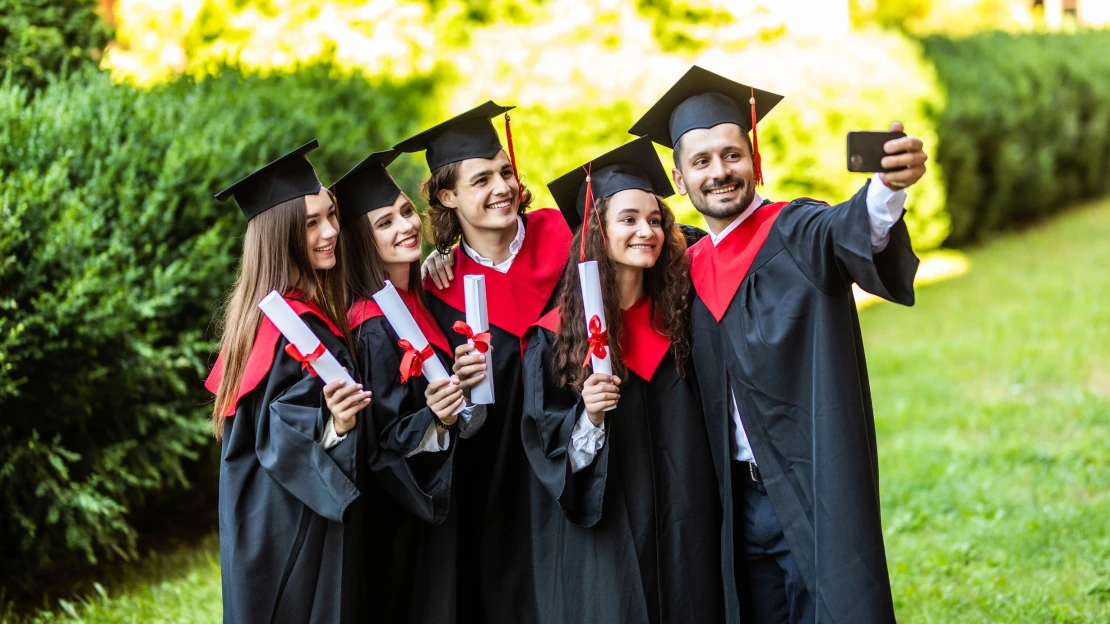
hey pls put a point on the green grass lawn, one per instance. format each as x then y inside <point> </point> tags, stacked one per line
<point>992,398</point>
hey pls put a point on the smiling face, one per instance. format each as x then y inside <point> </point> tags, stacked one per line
<point>486,195</point>
<point>321,229</point>
<point>396,231</point>
<point>634,228</point>
<point>715,170</point>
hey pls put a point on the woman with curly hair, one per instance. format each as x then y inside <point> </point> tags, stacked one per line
<point>626,524</point>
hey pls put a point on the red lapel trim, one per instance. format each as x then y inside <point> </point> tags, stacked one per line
<point>261,358</point>
<point>719,270</point>
<point>365,309</point>
<point>516,299</point>
<point>642,346</point>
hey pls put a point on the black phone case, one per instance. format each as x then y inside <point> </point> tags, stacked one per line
<point>865,151</point>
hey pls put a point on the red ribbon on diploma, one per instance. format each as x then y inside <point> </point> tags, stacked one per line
<point>481,341</point>
<point>412,364</point>
<point>305,360</point>
<point>599,340</point>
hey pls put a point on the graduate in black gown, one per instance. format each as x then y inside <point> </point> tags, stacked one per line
<point>410,424</point>
<point>476,206</point>
<point>288,481</point>
<point>625,527</point>
<point>780,361</point>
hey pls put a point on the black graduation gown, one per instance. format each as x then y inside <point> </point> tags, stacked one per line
<point>408,576</point>
<point>286,554</point>
<point>633,536</point>
<point>791,345</point>
<point>491,478</point>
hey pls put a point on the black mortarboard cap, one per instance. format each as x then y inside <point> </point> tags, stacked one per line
<point>367,186</point>
<point>287,177</point>
<point>469,135</point>
<point>634,165</point>
<point>702,99</point>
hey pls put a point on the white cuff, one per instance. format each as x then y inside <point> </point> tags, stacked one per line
<point>331,438</point>
<point>471,420</point>
<point>434,441</point>
<point>586,441</point>
<point>884,208</point>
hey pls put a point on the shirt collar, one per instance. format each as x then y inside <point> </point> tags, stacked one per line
<point>717,238</point>
<point>514,249</point>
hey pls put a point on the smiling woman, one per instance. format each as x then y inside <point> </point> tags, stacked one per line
<point>287,477</point>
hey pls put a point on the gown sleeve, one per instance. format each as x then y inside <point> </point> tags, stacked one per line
<point>550,413</point>
<point>289,430</point>
<point>399,419</point>
<point>832,246</point>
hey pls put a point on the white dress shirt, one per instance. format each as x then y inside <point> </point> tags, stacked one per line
<point>514,249</point>
<point>884,208</point>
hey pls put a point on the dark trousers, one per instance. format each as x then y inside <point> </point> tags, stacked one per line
<point>769,586</point>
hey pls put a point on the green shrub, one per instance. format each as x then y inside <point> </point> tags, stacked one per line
<point>1026,129</point>
<point>42,37</point>
<point>113,256</point>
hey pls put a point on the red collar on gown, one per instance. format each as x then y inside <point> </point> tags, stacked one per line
<point>516,298</point>
<point>718,270</point>
<point>262,351</point>
<point>365,309</point>
<point>642,346</point>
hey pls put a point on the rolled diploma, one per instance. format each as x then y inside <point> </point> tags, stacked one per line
<point>477,317</point>
<point>297,332</point>
<point>402,322</point>
<point>593,305</point>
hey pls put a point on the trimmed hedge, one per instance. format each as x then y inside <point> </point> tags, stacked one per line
<point>113,256</point>
<point>1026,129</point>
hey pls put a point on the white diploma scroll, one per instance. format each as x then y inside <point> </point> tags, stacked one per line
<point>300,335</point>
<point>594,306</point>
<point>477,317</point>
<point>402,322</point>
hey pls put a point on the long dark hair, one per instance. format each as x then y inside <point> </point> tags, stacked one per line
<point>667,283</point>
<point>274,245</point>
<point>444,221</point>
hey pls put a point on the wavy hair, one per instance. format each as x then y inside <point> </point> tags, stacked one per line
<point>667,283</point>
<point>443,221</point>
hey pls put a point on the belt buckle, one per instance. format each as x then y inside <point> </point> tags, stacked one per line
<point>754,472</point>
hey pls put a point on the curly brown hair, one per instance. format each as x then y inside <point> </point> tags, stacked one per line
<point>667,283</point>
<point>443,222</point>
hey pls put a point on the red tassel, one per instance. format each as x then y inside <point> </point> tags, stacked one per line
<point>586,218</point>
<point>512,156</point>
<point>756,163</point>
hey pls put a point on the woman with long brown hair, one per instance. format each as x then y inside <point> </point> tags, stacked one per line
<point>287,472</point>
<point>411,424</point>
<point>625,525</point>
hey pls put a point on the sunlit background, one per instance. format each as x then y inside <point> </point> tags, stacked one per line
<point>120,118</point>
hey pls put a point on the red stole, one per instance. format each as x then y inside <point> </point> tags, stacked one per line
<point>261,358</point>
<point>642,345</point>
<point>718,270</point>
<point>365,309</point>
<point>515,299</point>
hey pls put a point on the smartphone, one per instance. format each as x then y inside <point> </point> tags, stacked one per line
<point>865,151</point>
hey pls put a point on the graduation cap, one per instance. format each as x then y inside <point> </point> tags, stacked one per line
<point>469,135</point>
<point>633,165</point>
<point>703,99</point>
<point>367,186</point>
<point>287,177</point>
